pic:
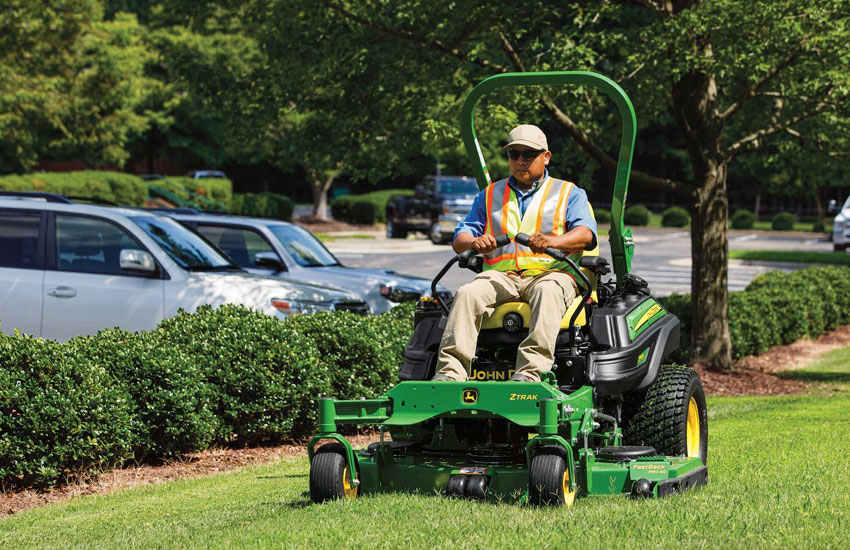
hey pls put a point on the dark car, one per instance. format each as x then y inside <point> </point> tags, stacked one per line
<point>434,209</point>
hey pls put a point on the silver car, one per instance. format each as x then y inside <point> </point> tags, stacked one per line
<point>281,249</point>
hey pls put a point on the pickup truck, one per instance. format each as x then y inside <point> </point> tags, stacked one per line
<point>434,209</point>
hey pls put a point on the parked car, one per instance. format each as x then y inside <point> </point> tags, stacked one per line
<point>280,249</point>
<point>434,209</point>
<point>200,174</point>
<point>68,269</point>
<point>841,225</point>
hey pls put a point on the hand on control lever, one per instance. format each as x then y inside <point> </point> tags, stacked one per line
<point>485,244</point>
<point>539,242</point>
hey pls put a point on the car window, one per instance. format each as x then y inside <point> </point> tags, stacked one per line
<point>304,248</point>
<point>239,243</point>
<point>19,239</point>
<point>188,249</point>
<point>90,245</point>
<point>457,186</point>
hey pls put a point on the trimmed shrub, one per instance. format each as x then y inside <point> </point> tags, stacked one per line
<point>60,414</point>
<point>117,187</point>
<point>784,221</point>
<point>818,227</point>
<point>262,205</point>
<point>675,216</point>
<point>217,189</point>
<point>602,215</point>
<point>743,219</point>
<point>362,213</point>
<point>637,214</point>
<point>343,207</point>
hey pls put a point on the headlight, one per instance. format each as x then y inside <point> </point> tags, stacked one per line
<point>838,226</point>
<point>399,294</point>
<point>295,307</point>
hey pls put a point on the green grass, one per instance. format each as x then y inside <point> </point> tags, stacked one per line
<point>778,479</point>
<point>836,258</point>
<point>326,238</point>
<point>832,368</point>
<point>764,225</point>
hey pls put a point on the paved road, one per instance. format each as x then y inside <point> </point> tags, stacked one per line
<point>662,257</point>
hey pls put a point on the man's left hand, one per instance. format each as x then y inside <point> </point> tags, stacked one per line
<point>539,242</point>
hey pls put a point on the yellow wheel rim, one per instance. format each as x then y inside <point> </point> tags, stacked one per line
<point>693,437</point>
<point>348,488</point>
<point>569,495</point>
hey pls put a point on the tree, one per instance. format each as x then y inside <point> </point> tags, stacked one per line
<point>733,75</point>
<point>71,84</point>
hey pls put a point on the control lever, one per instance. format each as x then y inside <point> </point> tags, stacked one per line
<point>462,259</point>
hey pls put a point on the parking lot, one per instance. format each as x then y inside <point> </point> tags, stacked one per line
<point>662,256</point>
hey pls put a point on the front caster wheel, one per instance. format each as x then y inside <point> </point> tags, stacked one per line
<point>549,479</point>
<point>330,476</point>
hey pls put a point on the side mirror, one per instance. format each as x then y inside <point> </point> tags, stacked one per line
<point>136,260</point>
<point>833,207</point>
<point>268,260</point>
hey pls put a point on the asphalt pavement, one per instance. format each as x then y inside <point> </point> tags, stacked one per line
<point>662,256</point>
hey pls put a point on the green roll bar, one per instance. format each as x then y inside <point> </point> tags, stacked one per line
<point>620,237</point>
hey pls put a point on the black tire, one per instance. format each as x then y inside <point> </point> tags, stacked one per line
<point>839,247</point>
<point>394,231</point>
<point>669,415</point>
<point>548,479</point>
<point>329,475</point>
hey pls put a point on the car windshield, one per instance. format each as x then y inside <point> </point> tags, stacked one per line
<point>304,248</point>
<point>186,248</point>
<point>457,186</point>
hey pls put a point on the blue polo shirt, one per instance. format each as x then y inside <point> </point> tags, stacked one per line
<point>577,213</point>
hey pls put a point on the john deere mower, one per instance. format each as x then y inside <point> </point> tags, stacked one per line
<point>610,418</point>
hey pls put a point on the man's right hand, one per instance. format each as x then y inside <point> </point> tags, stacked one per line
<point>484,244</point>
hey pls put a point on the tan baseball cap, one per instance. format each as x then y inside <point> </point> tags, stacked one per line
<point>528,135</point>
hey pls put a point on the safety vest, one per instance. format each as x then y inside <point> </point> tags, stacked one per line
<point>545,214</point>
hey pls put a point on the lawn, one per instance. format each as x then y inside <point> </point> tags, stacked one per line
<point>778,479</point>
<point>813,257</point>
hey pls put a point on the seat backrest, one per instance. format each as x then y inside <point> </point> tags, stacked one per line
<point>591,276</point>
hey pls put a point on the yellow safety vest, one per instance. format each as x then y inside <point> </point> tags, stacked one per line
<point>545,214</point>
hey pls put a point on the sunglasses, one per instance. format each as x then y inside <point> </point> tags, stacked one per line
<point>527,156</point>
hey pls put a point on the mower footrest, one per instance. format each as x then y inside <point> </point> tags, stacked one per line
<point>679,484</point>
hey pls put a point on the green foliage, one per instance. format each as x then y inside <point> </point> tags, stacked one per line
<point>60,414</point>
<point>117,187</point>
<point>675,216</point>
<point>777,308</point>
<point>602,215</point>
<point>637,215</point>
<point>217,189</point>
<point>743,219</point>
<point>784,221</point>
<point>262,205</point>
<point>346,208</point>
<point>818,227</point>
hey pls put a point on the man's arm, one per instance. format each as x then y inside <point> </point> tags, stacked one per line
<point>580,228</point>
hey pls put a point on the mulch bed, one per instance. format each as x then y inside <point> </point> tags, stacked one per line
<point>756,375</point>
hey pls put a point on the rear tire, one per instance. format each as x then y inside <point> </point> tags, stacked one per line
<point>330,478</point>
<point>669,415</point>
<point>549,479</point>
<point>839,247</point>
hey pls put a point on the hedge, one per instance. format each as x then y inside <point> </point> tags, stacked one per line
<point>777,308</point>
<point>675,216</point>
<point>117,187</point>
<point>784,221</point>
<point>217,189</point>
<point>224,376</point>
<point>349,209</point>
<point>636,215</point>
<point>262,205</point>
<point>602,215</point>
<point>743,219</point>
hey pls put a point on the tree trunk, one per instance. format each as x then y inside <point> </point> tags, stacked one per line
<point>320,195</point>
<point>710,339</point>
<point>818,203</point>
<point>694,106</point>
<point>757,207</point>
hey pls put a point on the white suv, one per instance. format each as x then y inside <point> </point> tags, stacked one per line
<point>841,225</point>
<point>68,269</point>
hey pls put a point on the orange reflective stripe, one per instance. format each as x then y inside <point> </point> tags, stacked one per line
<point>489,226</point>
<point>542,204</point>
<point>561,210</point>
<point>506,202</point>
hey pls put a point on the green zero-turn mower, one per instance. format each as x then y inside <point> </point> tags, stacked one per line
<point>609,418</point>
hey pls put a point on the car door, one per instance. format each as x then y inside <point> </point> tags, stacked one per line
<point>21,270</point>
<point>85,289</point>
<point>240,243</point>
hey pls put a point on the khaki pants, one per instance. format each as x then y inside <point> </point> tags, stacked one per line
<point>548,295</point>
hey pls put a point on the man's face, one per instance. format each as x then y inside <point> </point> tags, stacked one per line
<point>525,171</point>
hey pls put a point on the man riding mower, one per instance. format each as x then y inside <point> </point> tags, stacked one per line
<point>594,414</point>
